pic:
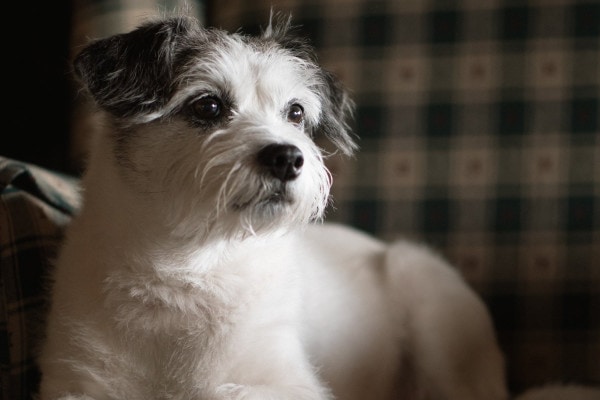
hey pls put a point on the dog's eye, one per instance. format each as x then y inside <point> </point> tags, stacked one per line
<point>207,107</point>
<point>295,114</point>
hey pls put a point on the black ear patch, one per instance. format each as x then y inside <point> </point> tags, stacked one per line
<point>132,73</point>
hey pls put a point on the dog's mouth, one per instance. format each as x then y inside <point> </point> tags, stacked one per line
<point>277,197</point>
<point>280,196</point>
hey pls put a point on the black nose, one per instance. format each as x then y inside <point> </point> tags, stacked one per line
<point>283,161</point>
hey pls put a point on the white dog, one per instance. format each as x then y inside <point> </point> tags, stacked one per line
<point>192,272</point>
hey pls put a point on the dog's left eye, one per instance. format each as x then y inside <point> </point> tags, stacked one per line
<point>207,108</point>
<point>295,114</point>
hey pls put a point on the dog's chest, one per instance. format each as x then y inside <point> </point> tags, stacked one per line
<point>192,321</point>
<point>249,286</point>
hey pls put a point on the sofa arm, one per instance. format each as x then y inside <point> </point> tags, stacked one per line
<point>35,207</point>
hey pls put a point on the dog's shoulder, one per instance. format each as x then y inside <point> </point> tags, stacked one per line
<point>338,240</point>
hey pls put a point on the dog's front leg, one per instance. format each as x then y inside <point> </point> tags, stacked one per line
<point>232,391</point>
<point>275,367</point>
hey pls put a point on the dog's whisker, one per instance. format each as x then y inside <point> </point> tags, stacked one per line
<point>212,138</point>
<point>225,191</point>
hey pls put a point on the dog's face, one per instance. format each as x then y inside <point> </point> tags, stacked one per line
<point>216,130</point>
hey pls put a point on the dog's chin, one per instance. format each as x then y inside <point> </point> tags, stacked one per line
<point>266,211</point>
<point>270,211</point>
<point>268,203</point>
<point>245,208</point>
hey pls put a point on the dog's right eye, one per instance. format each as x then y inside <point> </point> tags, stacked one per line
<point>207,108</point>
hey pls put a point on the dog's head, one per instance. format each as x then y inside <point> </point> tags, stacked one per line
<point>215,129</point>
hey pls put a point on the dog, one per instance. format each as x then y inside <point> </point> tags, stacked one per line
<point>199,266</point>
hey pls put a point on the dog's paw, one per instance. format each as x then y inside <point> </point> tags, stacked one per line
<point>230,390</point>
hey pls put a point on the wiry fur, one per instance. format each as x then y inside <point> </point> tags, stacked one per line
<point>192,272</point>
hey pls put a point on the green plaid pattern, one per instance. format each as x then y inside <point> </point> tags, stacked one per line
<point>479,127</point>
<point>35,206</point>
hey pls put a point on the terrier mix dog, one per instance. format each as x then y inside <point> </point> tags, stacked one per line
<point>193,270</point>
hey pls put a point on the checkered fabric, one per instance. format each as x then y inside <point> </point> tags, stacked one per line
<point>479,124</point>
<point>35,206</point>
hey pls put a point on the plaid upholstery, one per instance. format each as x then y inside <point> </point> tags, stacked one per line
<point>479,127</point>
<point>35,206</point>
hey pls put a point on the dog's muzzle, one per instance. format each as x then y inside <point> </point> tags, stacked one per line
<point>283,161</point>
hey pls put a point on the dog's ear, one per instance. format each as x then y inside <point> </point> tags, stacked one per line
<point>337,107</point>
<point>337,110</point>
<point>132,73</point>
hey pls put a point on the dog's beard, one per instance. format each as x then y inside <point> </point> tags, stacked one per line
<point>214,186</point>
<point>250,200</point>
<point>264,205</point>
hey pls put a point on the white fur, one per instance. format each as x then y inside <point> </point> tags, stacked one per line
<point>275,317</point>
<point>184,278</point>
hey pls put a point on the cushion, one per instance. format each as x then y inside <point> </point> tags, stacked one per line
<point>35,206</point>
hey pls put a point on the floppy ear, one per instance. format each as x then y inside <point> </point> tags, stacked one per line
<point>337,110</point>
<point>132,73</point>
